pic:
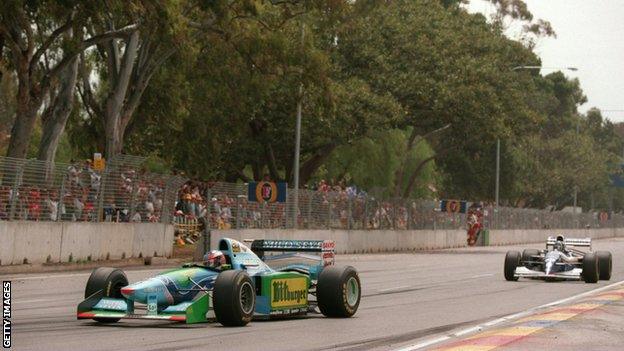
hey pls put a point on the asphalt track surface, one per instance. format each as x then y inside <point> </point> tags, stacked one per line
<point>406,298</point>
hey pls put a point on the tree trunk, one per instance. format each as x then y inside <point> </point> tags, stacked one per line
<point>270,159</point>
<point>115,100</point>
<point>313,163</point>
<point>412,179</point>
<point>54,121</point>
<point>398,176</point>
<point>26,115</point>
<point>22,131</point>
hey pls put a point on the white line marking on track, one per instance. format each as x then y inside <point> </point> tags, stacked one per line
<point>394,288</point>
<point>55,276</point>
<point>482,275</point>
<point>493,322</point>
<point>31,301</point>
<point>468,331</point>
<point>425,344</point>
<point>41,277</point>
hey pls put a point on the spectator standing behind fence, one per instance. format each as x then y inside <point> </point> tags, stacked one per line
<point>51,203</point>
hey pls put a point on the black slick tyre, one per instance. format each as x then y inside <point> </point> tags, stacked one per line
<point>338,291</point>
<point>590,268</point>
<point>604,264</point>
<point>234,298</point>
<point>527,255</point>
<point>512,261</point>
<point>109,281</point>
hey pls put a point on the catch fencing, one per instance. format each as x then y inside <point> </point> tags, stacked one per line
<point>225,205</point>
<point>123,192</point>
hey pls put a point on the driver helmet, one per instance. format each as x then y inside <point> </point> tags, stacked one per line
<point>214,259</point>
<point>559,245</point>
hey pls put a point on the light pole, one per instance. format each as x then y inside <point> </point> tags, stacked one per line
<point>298,144</point>
<point>497,171</point>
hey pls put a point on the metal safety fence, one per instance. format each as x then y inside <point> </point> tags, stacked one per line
<point>123,192</point>
<point>225,206</point>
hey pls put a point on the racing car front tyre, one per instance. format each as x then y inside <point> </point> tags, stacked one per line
<point>338,291</point>
<point>604,264</point>
<point>234,298</point>
<point>590,268</point>
<point>527,255</point>
<point>110,281</point>
<point>512,260</point>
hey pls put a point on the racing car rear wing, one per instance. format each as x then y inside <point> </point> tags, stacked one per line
<point>327,248</point>
<point>573,242</point>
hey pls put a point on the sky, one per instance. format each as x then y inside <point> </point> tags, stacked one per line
<point>590,37</point>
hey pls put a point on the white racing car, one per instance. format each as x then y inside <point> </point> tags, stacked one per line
<point>563,259</point>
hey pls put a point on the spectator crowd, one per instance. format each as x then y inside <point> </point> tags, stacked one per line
<point>75,192</point>
<point>33,191</point>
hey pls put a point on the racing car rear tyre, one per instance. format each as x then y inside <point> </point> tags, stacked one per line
<point>604,264</point>
<point>338,291</point>
<point>528,254</point>
<point>590,268</point>
<point>110,281</point>
<point>234,298</point>
<point>512,260</point>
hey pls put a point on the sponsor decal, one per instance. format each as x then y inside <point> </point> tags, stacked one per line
<point>236,247</point>
<point>266,192</point>
<point>328,245</point>
<point>107,304</point>
<point>293,244</point>
<point>152,304</point>
<point>453,206</point>
<point>288,311</point>
<point>328,258</point>
<point>6,314</point>
<point>289,292</point>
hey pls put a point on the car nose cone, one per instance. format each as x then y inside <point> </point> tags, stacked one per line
<point>136,291</point>
<point>548,267</point>
<point>127,292</point>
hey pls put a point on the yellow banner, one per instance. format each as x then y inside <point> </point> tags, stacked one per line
<point>289,292</point>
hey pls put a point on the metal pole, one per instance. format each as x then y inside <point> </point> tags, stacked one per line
<point>298,144</point>
<point>497,171</point>
<point>575,188</point>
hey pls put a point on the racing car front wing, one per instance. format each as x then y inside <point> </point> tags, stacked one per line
<point>573,274</point>
<point>99,307</point>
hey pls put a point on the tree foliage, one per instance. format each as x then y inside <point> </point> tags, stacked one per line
<point>405,97</point>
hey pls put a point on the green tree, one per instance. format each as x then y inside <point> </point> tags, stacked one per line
<point>37,49</point>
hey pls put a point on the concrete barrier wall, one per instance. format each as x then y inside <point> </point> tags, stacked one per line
<point>40,242</point>
<point>517,236</point>
<point>370,241</point>
<point>356,241</point>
